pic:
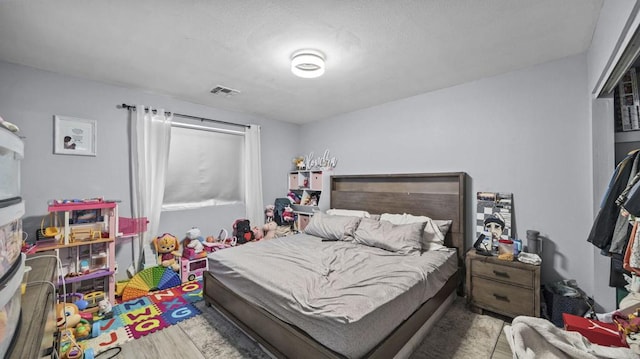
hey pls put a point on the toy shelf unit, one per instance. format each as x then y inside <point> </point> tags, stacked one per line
<point>86,246</point>
<point>307,187</point>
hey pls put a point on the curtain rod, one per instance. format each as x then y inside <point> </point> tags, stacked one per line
<point>133,108</point>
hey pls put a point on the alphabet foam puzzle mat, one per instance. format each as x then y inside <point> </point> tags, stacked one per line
<point>147,314</point>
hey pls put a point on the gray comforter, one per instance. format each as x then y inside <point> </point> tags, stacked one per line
<point>346,296</point>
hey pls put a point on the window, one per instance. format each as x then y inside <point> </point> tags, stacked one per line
<point>205,168</point>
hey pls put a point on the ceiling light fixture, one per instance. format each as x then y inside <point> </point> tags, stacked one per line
<point>307,63</point>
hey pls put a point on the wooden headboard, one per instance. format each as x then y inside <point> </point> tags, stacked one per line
<point>435,195</point>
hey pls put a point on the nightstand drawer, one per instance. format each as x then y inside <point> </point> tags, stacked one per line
<point>502,298</point>
<point>503,273</point>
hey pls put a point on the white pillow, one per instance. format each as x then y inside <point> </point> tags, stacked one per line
<point>401,238</point>
<point>432,236</point>
<point>339,228</point>
<point>348,212</point>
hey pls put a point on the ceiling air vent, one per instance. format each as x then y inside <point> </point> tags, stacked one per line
<point>224,91</point>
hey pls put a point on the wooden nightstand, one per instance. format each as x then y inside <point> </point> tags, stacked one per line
<point>508,288</point>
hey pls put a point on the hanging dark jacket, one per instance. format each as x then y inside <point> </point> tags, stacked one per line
<point>604,224</point>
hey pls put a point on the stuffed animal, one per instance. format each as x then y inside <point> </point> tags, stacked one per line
<point>258,233</point>
<point>269,212</point>
<point>313,201</point>
<point>298,162</point>
<point>269,230</point>
<point>105,310</point>
<point>67,315</point>
<point>195,240</point>
<point>242,231</point>
<point>168,249</point>
<point>288,215</point>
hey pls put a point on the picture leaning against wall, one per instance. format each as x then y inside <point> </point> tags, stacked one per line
<point>494,214</point>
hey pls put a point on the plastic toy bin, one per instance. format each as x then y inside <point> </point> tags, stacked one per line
<point>10,304</point>
<point>11,152</point>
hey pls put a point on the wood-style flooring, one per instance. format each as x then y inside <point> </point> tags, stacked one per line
<point>502,349</point>
<point>173,342</point>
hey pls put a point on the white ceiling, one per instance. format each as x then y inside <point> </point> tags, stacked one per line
<point>376,51</point>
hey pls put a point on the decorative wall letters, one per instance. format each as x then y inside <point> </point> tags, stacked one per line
<point>325,162</point>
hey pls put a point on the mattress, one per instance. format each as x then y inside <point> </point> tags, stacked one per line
<point>346,296</point>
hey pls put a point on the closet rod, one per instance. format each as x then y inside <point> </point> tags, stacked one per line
<point>133,108</point>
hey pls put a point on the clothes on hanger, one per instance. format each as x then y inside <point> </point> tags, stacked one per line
<point>604,225</point>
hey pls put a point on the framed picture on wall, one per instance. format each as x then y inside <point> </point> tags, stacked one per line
<point>74,136</point>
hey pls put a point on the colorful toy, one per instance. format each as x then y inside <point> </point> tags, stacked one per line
<point>69,348</point>
<point>195,240</point>
<point>193,268</point>
<point>269,213</point>
<point>288,215</point>
<point>93,298</point>
<point>168,249</point>
<point>80,302</point>
<point>154,278</point>
<point>83,329</point>
<point>105,310</point>
<point>67,315</point>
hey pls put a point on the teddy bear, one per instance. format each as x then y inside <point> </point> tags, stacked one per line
<point>196,241</point>
<point>168,249</point>
<point>269,230</point>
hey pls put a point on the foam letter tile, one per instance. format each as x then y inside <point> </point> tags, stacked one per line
<point>131,305</point>
<point>164,295</point>
<point>172,304</point>
<point>180,314</point>
<point>148,326</point>
<point>107,325</point>
<point>140,314</point>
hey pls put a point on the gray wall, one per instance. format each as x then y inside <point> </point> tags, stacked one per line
<point>30,98</point>
<point>526,132</point>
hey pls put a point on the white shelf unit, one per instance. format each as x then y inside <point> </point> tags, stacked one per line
<point>306,184</point>
<point>309,184</point>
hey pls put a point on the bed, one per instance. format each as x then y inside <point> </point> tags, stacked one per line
<point>263,309</point>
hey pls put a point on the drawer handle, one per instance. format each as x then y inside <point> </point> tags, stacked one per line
<point>501,274</point>
<point>503,298</point>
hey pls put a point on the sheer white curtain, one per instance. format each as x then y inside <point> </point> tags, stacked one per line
<point>253,176</point>
<point>150,139</point>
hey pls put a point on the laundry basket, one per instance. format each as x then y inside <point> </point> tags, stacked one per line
<point>564,297</point>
